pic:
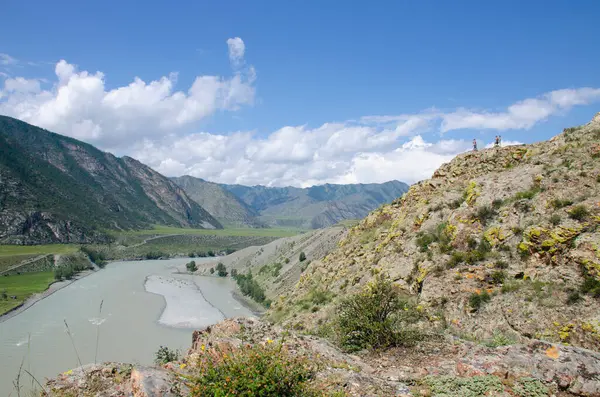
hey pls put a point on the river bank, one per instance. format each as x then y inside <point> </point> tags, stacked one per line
<point>132,321</point>
<point>35,298</point>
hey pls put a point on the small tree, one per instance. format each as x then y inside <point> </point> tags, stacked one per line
<point>164,355</point>
<point>234,273</point>
<point>212,270</point>
<point>302,256</point>
<point>4,295</point>
<point>221,270</point>
<point>191,266</point>
<point>378,317</point>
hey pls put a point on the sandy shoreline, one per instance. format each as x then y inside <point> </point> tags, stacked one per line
<point>52,288</point>
<point>185,306</point>
<point>188,306</point>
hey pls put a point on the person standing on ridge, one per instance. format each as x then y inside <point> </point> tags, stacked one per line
<point>474,145</point>
<point>497,141</point>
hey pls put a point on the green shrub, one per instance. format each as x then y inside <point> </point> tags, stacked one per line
<point>423,241</point>
<point>555,219</point>
<point>302,257</point>
<point>304,266</point>
<point>591,286</point>
<point>164,355</point>
<point>510,287</point>
<point>276,268</point>
<point>155,255</point>
<point>255,370</point>
<point>319,296</point>
<point>96,257</point>
<point>250,287</point>
<point>68,270</point>
<point>573,298</point>
<point>454,204</point>
<point>476,301</point>
<point>561,203</point>
<point>501,265</point>
<point>287,260</point>
<point>485,214</point>
<point>579,212</point>
<point>221,270</point>
<point>471,242</point>
<point>439,235</point>
<point>377,317</point>
<point>234,273</point>
<point>528,194</point>
<point>498,277</point>
<point>212,270</point>
<point>456,259</point>
<point>500,339</point>
<point>191,266</point>
<point>496,204</point>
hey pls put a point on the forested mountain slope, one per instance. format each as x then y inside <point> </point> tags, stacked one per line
<point>58,189</point>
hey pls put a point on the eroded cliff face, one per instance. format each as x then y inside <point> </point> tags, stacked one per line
<point>503,241</point>
<point>57,189</point>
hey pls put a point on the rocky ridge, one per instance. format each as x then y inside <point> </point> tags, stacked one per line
<point>500,242</point>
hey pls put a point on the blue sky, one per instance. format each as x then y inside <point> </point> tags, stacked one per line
<point>290,108</point>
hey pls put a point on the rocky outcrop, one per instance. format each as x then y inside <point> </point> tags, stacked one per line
<point>551,369</point>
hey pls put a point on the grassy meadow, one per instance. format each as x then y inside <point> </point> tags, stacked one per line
<point>32,250</point>
<point>244,232</point>
<point>22,286</point>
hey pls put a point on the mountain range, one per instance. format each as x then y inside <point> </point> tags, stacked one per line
<point>307,208</point>
<point>57,189</point>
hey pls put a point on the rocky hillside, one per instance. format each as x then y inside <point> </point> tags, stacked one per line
<point>500,243</point>
<point>219,202</point>
<point>497,258</point>
<point>57,189</point>
<point>317,206</point>
<point>277,266</point>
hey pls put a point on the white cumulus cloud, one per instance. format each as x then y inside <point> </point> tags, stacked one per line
<point>523,114</point>
<point>158,122</point>
<point>237,48</point>
<point>80,105</point>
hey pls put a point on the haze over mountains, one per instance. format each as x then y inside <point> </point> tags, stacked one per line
<point>58,189</point>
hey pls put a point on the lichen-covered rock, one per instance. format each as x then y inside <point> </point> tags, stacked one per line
<point>553,368</point>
